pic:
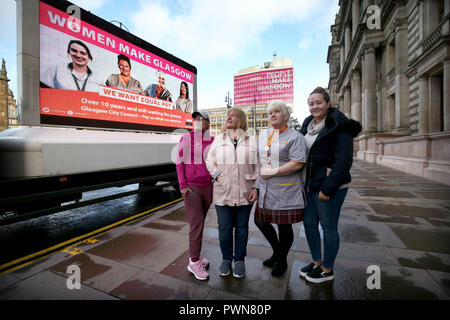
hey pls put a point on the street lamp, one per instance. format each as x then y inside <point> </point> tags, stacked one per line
<point>228,100</point>
<point>254,114</point>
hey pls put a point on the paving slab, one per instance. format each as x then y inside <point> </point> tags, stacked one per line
<point>441,195</point>
<point>351,279</point>
<point>423,238</point>
<point>443,279</point>
<point>365,184</point>
<point>50,286</point>
<point>223,295</point>
<point>177,215</point>
<point>393,209</point>
<point>7,280</point>
<point>96,272</point>
<point>143,247</point>
<point>149,285</point>
<point>439,222</point>
<point>384,193</point>
<point>422,259</point>
<point>256,284</point>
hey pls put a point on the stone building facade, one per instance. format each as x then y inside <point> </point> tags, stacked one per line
<point>3,97</point>
<point>390,69</point>
<point>8,106</point>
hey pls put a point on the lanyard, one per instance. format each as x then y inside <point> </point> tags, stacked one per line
<point>78,86</point>
<point>272,139</point>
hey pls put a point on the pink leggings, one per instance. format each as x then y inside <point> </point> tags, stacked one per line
<point>197,204</point>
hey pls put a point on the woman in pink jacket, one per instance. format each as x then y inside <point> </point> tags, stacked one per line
<point>232,161</point>
<point>196,187</point>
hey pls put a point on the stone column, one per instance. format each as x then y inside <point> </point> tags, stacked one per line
<point>342,57</point>
<point>446,25</point>
<point>390,113</point>
<point>356,96</point>
<point>341,102</point>
<point>3,98</point>
<point>401,80</point>
<point>356,16</point>
<point>347,101</point>
<point>423,104</point>
<point>348,40</point>
<point>446,94</point>
<point>363,93</point>
<point>434,104</point>
<point>371,94</point>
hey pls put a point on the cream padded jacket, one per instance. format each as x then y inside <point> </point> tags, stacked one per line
<point>239,167</point>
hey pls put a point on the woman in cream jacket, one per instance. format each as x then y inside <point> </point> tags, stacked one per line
<point>232,161</point>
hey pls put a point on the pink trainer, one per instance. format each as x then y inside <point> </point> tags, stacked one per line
<point>198,269</point>
<point>204,262</point>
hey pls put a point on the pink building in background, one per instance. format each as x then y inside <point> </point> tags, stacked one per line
<point>254,88</point>
<point>261,85</point>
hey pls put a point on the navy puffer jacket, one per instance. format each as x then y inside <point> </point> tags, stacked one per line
<point>332,149</point>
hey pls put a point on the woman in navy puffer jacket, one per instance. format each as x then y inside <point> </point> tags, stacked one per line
<point>329,138</point>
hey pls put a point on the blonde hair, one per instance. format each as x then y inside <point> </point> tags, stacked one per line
<point>242,119</point>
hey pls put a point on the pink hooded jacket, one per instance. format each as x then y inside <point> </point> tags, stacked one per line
<point>192,152</point>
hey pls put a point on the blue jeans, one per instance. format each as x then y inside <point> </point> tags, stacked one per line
<point>327,213</point>
<point>236,218</point>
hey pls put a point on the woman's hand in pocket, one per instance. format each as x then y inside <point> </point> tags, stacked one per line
<point>323,197</point>
<point>185,191</point>
<point>219,178</point>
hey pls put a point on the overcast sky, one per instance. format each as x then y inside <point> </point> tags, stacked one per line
<point>218,37</point>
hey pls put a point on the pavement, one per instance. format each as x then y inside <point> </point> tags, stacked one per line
<point>395,244</point>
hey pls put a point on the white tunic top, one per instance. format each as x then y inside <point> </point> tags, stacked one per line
<point>281,192</point>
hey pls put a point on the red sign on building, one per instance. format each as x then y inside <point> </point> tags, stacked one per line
<point>262,87</point>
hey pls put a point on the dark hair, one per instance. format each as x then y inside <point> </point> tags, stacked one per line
<point>187,89</point>
<point>321,91</point>
<point>81,44</point>
<point>123,57</point>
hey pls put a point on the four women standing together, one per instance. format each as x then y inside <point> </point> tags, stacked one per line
<point>293,175</point>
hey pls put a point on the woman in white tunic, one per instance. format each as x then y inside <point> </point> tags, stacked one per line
<point>282,153</point>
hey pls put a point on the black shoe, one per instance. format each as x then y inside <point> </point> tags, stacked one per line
<point>307,269</point>
<point>270,262</point>
<point>279,268</point>
<point>319,276</point>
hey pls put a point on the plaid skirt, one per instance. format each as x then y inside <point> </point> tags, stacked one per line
<point>279,216</point>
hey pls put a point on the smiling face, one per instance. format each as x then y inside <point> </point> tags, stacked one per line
<point>277,118</point>
<point>161,80</point>
<point>79,55</point>
<point>124,68</point>
<point>318,106</point>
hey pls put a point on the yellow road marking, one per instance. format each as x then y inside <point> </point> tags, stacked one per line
<point>82,238</point>
<point>73,251</point>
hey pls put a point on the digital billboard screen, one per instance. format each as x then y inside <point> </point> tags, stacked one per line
<point>264,86</point>
<point>95,74</point>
